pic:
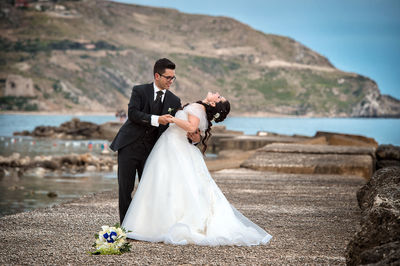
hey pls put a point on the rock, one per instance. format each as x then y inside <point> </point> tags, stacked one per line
<point>386,254</point>
<point>4,161</point>
<point>386,163</point>
<point>71,159</point>
<point>86,158</point>
<point>315,141</point>
<point>22,133</point>
<point>25,161</point>
<point>385,183</point>
<point>91,168</point>
<point>40,158</point>
<point>378,240</point>
<point>15,156</point>
<point>72,163</point>
<point>247,142</point>
<point>388,152</point>
<point>50,164</point>
<point>73,129</point>
<point>37,172</point>
<point>347,139</point>
<point>52,194</point>
<point>375,104</point>
<point>11,161</point>
<point>317,149</point>
<point>104,168</point>
<point>42,131</point>
<point>312,159</point>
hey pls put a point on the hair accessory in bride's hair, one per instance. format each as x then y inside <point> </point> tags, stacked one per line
<point>216,116</point>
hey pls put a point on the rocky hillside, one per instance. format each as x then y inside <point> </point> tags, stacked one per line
<point>87,55</point>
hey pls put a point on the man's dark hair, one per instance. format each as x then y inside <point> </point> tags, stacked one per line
<point>162,64</point>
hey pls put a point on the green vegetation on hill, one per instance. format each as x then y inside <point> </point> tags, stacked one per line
<point>11,103</point>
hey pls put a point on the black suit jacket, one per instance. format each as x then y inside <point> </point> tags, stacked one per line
<point>139,116</point>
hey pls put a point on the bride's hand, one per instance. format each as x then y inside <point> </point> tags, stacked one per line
<point>170,118</point>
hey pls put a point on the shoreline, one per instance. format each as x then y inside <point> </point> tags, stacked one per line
<point>64,202</point>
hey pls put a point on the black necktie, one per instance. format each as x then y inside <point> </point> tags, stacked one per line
<point>158,97</point>
<point>157,105</point>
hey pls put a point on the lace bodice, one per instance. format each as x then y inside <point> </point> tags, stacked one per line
<point>196,110</point>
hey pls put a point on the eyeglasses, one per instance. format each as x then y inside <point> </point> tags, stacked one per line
<point>169,78</point>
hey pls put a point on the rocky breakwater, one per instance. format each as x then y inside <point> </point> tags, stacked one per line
<point>75,129</point>
<point>378,240</point>
<point>338,139</point>
<point>39,165</point>
<point>247,142</point>
<point>314,159</point>
<point>229,141</point>
<point>238,150</point>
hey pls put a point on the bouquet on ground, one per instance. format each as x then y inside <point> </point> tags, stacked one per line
<point>111,241</point>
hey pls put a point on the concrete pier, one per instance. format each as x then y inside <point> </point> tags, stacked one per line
<point>311,218</point>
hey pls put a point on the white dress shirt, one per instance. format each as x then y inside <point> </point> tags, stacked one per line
<point>154,118</point>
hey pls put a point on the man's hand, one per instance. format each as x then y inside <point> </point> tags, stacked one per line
<point>194,136</point>
<point>164,119</point>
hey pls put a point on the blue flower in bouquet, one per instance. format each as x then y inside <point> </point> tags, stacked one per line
<point>110,237</point>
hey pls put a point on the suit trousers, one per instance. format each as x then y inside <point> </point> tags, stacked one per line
<point>131,159</point>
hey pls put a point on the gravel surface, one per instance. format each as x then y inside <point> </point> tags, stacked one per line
<point>311,218</point>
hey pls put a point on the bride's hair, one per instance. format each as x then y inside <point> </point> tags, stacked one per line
<point>215,113</point>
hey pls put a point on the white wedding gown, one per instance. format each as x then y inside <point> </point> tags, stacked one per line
<point>178,202</point>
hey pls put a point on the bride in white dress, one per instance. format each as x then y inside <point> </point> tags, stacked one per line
<point>177,201</point>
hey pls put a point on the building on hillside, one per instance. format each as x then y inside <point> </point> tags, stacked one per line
<point>17,86</point>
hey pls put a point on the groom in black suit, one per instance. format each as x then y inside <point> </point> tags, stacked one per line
<point>149,108</point>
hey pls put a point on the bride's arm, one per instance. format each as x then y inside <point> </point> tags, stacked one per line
<point>190,126</point>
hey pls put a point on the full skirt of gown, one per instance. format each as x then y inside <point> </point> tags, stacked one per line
<point>178,202</point>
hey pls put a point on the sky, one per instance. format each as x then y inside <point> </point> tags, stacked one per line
<point>361,36</point>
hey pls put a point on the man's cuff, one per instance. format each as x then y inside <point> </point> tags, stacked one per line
<point>154,120</point>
